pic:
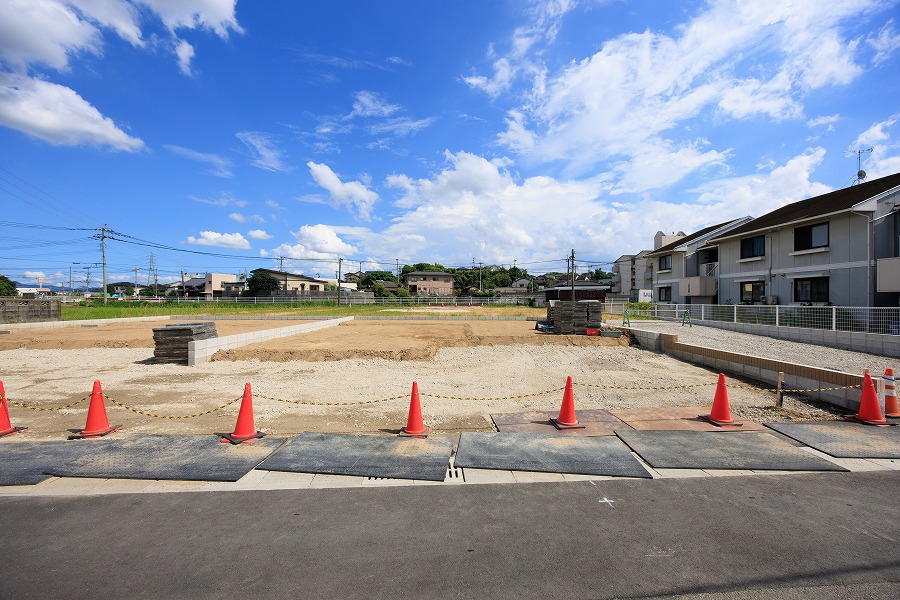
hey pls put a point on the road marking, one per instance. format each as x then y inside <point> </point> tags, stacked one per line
<point>606,500</point>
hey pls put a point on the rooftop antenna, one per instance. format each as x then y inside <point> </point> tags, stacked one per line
<point>860,174</point>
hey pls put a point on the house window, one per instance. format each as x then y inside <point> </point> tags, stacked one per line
<point>752,291</point>
<point>665,293</point>
<point>665,262</point>
<point>814,289</point>
<point>811,236</point>
<point>753,247</point>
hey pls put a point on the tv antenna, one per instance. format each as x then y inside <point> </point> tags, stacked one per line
<point>860,174</point>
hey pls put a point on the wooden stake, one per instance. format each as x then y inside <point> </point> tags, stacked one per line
<point>779,394</point>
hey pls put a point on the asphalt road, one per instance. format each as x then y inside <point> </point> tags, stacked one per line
<point>767,536</point>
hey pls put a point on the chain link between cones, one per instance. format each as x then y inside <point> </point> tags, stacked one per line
<point>438,396</point>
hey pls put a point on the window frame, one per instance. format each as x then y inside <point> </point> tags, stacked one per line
<point>659,293</point>
<point>753,285</point>
<point>804,237</point>
<point>812,294</point>
<point>750,250</point>
<point>665,262</point>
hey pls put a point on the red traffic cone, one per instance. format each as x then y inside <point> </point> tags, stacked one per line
<point>414,425</point>
<point>566,418</point>
<point>6,427</point>
<point>97,424</point>
<point>869,410</point>
<point>244,430</point>
<point>890,395</point>
<point>720,414</point>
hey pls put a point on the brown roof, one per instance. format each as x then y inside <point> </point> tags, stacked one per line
<point>826,204</point>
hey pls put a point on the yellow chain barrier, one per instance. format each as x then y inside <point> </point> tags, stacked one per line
<point>44,408</point>
<point>156,416</point>
<point>442,397</point>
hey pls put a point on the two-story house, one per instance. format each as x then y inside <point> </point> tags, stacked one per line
<point>429,283</point>
<point>634,272</point>
<point>293,284</point>
<point>829,249</point>
<point>687,273</point>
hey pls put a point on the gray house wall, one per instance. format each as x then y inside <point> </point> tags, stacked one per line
<point>848,260</point>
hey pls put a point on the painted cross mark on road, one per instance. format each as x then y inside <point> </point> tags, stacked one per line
<point>606,500</point>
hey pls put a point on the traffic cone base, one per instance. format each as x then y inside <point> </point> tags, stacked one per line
<point>720,414</point>
<point>84,435</point>
<point>567,418</point>
<point>97,424</point>
<point>8,428</point>
<point>869,409</point>
<point>414,425</point>
<point>244,430</point>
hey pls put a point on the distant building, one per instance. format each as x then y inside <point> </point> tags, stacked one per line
<point>429,283</point>
<point>293,284</point>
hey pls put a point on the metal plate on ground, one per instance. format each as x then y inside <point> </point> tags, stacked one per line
<point>721,450</point>
<point>181,457</point>
<point>595,421</point>
<point>364,456</point>
<point>547,454</point>
<point>677,418</point>
<point>844,439</point>
<point>24,463</point>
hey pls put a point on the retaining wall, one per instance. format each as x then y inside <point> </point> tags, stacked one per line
<point>200,351</point>
<point>871,343</point>
<point>796,376</point>
<point>21,310</point>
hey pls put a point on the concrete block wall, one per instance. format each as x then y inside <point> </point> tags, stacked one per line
<point>23,310</point>
<point>796,376</point>
<point>873,343</point>
<point>200,351</point>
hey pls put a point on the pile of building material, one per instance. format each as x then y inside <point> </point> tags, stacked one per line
<point>172,340</point>
<point>569,317</point>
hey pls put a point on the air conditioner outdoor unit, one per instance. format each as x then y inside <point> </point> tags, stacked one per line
<point>770,300</point>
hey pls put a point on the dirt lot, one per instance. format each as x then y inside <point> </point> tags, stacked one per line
<point>355,377</point>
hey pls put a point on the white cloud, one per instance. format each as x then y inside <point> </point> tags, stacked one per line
<point>826,121</point>
<point>58,115</point>
<point>274,205</point>
<point>225,199</point>
<point>218,165</point>
<point>371,104</point>
<point>353,195</point>
<point>258,234</point>
<point>222,240</point>
<point>34,275</point>
<point>315,242</point>
<point>185,53</point>
<point>44,31</point>
<point>885,156</point>
<point>885,43</point>
<point>402,126</point>
<point>264,151</point>
<point>237,217</point>
<point>215,15</point>
<point>730,61</point>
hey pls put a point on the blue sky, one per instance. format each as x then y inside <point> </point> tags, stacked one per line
<point>221,136</point>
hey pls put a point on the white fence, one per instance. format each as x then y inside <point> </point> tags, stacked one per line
<point>830,318</point>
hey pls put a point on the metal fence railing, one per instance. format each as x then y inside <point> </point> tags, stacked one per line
<point>833,318</point>
<point>326,297</point>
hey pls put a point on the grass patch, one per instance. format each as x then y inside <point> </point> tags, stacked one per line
<point>120,309</point>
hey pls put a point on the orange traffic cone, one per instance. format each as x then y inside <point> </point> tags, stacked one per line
<point>244,430</point>
<point>414,425</point>
<point>869,410</point>
<point>720,414</point>
<point>566,418</point>
<point>97,424</point>
<point>890,395</point>
<point>6,427</point>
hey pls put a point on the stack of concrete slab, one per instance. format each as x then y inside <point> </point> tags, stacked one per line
<point>568,317</point>
<point>171,341</point>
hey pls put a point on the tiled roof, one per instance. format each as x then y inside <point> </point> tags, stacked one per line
<point>689,238</point>
<point>832,202</point>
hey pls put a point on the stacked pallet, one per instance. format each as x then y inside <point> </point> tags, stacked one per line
<point>568,317</point>
<point>594,315</point>
<point>172,341</point>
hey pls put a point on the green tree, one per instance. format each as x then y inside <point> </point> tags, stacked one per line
<point>402,292</point>
<point>7,287</point>
<point>262,284</point>
<point>369,279</point>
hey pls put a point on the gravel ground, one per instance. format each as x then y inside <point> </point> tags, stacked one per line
<point>811,355</point>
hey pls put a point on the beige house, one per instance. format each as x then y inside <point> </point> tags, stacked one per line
<point>293,284</point>
<point>206,285</point>
<point>429,283</point>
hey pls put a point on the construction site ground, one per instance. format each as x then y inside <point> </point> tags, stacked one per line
<point>352,378</point>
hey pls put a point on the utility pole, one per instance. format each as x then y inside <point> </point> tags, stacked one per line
<point>183,290</point>
<point>398,270</point>
<point>136,269</point>
<point>479,275</point>
<point>573,274</point>
<point>87,281</point>
<point>340,260</point>
<point>103,252</point>
<point>281,264</point>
